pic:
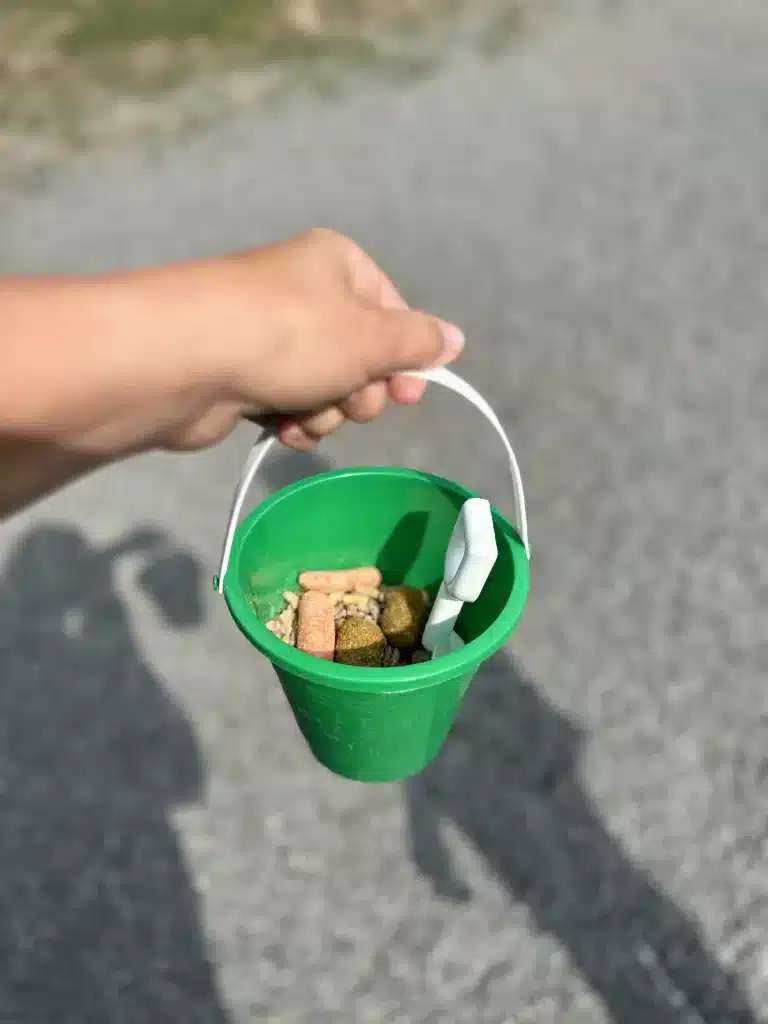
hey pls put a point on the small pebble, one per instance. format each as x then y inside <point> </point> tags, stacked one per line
<point>391,657</point>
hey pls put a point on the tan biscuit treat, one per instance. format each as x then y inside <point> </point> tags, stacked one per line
<point>361,600</point>
<point>359,642</point>
<point>344,580</point>
<point>359,604</point>
<point>403,616</point>
<point>316,630</point>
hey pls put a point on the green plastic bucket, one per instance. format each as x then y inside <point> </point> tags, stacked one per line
<point>369,724</point>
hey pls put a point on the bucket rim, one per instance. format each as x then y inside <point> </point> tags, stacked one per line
<point>400,678</point>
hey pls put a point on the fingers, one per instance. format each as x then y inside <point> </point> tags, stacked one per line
<point>406,390</point>
<point>414,340</point>
<point>371,283</point>
<point>383,337</point>
<point>366,404</point>
<point>362,407</point>
<point>401,340</point>
<point>320,424</point>
<point>302,434</point>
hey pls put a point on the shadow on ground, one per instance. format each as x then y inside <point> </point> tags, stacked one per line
<point>286,467</point>
<point>508,778</point>
<point>99,923</point>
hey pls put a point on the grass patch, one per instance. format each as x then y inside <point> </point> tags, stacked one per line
<point>58,55</point>
<point>71,69</point>
<point>114,24</point>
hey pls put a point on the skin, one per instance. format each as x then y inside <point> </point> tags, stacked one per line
<point>304,334</point>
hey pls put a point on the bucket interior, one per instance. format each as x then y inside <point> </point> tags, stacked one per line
<point>396,519</point>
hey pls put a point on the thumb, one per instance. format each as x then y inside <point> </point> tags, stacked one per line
<point>399,340</point>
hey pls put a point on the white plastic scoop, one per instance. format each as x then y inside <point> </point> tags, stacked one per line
<point>469,559</point>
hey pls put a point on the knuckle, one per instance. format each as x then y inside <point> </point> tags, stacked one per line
<point>333,252</point>
<point>366,405</point>
<point>323,423</point>
<point>327,238</point>
<point>318,235</point>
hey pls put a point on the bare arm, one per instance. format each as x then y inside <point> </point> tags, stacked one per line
<point>85,377</point>
<point>97,368</point>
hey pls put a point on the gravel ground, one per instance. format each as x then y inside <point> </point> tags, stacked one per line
<point>590,846</point>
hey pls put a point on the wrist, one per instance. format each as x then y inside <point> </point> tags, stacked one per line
<point>170,327</point>
<point>175,319</point>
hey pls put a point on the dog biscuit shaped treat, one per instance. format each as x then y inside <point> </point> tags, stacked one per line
<point>343,580</point>
<point>316,631</point>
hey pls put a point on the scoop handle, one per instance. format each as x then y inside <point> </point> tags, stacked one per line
<point>447,379</point>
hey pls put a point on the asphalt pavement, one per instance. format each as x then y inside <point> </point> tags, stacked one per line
<point>590,847</point>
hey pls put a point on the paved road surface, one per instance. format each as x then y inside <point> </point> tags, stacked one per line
<point>591,845</point>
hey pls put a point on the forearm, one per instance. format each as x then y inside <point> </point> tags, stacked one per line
<point>85,375</point>
<point>29,470</point>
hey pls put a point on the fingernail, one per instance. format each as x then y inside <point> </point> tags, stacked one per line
<point>453,340</point>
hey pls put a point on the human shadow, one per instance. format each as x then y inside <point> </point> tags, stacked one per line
<point>99,923</point>
<point>508,778</point>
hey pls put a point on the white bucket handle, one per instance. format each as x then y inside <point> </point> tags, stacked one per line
<point>449,380</point>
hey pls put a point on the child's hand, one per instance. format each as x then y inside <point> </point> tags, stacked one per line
<point>310,331</point>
